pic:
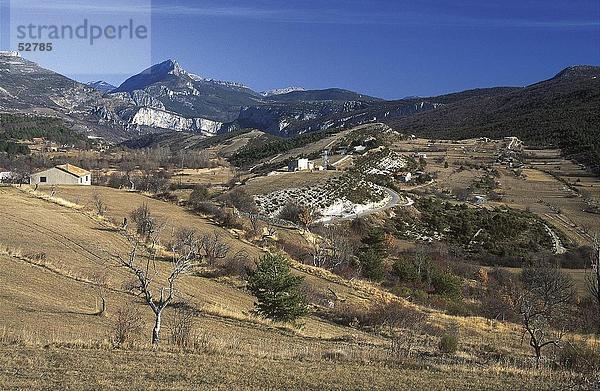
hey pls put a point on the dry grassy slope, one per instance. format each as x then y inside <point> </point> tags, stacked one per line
<point>315,147</point>
<point>77,245</point>
<point>69,238</point>
<point>59,368</point>
<point>231,146</point>
<point>285,180</point>
<point>55,305</point>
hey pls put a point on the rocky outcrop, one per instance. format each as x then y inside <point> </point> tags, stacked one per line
<point>142,98</point>
<point>147,116</point>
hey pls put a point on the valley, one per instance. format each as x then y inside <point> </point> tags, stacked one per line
<point>350,242</point>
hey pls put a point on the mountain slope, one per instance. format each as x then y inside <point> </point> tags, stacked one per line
<point>101,86</point>
<point>27,87</point>
<point>167,86</point>
<point>330,94</point>
<point>562,111</point>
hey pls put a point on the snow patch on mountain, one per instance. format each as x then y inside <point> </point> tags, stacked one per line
<point>101,86</point>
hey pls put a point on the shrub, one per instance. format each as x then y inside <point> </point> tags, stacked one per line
<point>334,355</point>
<point>240,200</point>
<point>118,181</point>
<point>291,212</point>
<point>227,218</point>
<point>579,356</point>
<point>405,271</point>
<point>181,322</point>
<point>206,208</point>
<point>445,283</point>
<point>448,343</point>
<point>238,265</point>
<point>99,204</point>
<point>198,196</point>
<point>156,182</point>
<point>395,315</point>
<point>145,223</point>
<point>127,326</point>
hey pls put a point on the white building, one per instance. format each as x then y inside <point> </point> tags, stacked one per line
<point>6,176</point>
<point>300,165</point>
<point>479,199</point>
<point>404,176</point>
<point>65,174</point>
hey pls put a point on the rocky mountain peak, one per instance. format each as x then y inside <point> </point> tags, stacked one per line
<point>101,86</point>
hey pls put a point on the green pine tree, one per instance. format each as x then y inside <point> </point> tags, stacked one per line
<point>277,290</point>
<point>372,255</point>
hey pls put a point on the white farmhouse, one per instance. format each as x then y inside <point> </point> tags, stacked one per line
<point>404,176</point>
<point>65,174</point>
<point>6,176</point>
<point>300,165</point>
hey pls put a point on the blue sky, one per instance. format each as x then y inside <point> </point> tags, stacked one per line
<point>385,48</point>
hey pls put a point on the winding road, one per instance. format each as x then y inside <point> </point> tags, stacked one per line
<point>393,202</point>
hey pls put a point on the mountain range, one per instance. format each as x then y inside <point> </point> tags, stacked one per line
<point>101,86</point>
<point>561,111</point>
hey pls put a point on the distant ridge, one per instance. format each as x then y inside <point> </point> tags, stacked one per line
<point>101,86</point>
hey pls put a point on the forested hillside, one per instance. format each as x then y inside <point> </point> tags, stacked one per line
<point>561,112</point>
<point>15,128</point>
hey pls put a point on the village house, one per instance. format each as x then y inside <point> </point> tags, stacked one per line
<point>65,174</point>
<point>479,199</point>
<point>300,165</point>
<point>404,176</point>
<point>6,176</point>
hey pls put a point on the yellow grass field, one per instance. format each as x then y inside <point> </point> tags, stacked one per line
<point>51,336</point>
<point>284,180</point>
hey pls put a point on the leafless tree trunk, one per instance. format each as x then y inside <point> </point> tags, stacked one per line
<point>101,282</point>
<point>307,216</point>
<point>255,223</point>
<point>213,248</point>
<point>144,268</point>
<point>544,305</point>
<point>331,248</point>
<point>536,324</point>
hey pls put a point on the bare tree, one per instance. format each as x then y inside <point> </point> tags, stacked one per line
<point>99,204</point>
<point>593,278</point>
<point>213,248</point>
<point>544,304</point>
<point>141,261</point>
<point>331,248</point>
<point>128,167</point>
<point>146,224</point>
<point>307,216</point>
<point>255,222</point>
<point>181,322</point>
<point>100,281</point>
<point>127,325</point>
